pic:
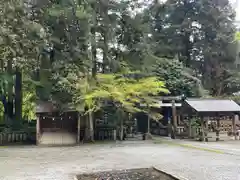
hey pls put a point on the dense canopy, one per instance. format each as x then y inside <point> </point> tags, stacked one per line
<point>57,50</point>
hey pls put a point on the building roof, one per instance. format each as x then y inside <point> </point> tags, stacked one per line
<point>169,98</point>
<point>49,107</point>
<point>161,104</point>
<point>213,105</point>
<point>43,107</point>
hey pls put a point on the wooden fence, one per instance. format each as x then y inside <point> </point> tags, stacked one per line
<point>100,134</point>
<point>27,134</point>
<point>105,134</point>
<point>13,137</point>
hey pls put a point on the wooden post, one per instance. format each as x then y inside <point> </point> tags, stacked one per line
<point>79,129</point>
<point>38,130</point>
<point>218,129</point>
<point>169,128</point>
<point>174,114</point>
<point>206,130</point>
<point>174,119</point>
<point>203,129</point>
<point>114,135</point>
<point>178,119</point>
<point>235,119</point>
<point>190,127</point>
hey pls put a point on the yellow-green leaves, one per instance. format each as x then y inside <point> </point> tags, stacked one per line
<point>237,36</point>
<point>1,112</point>
<point>64,10</point>
<point>124,91</point>
<point>29,105</point>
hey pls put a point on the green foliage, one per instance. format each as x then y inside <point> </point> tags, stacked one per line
<point>176,81</point>
<point>5,81</point>
<point>195,122</point>
<point>196,38</point>
<point>20,38</point>
<point>56,44</point>
<point>29,106</point>
<point>1,113</point>
<point>123,90</point>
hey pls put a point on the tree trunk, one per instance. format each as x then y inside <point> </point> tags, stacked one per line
<point>206,71</point>
<point>2,65</point>
<point>79,129</point>
<point>91,130</point>
<point>38,132</point>
<point>86,132</point>
<point>9,117</point>
<point>121,129</point>
<point>188,47</point>
<point>18,95</point>
<point>105,52</point>
<point>44,78</point>
<point>148,130</point>
<point>93,40</point>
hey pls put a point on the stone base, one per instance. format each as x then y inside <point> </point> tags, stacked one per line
<point>149,136</point>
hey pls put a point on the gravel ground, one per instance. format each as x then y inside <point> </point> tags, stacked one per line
<point>62,163</point>
<point>133,174</point>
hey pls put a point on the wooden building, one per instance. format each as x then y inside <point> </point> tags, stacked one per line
<point>56,127</point>
<point>205,109</point>
<point>65,126</point>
